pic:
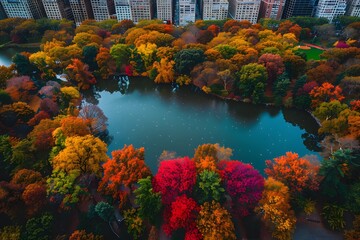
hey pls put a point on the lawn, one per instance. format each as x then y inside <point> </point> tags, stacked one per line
<point>312,53</point>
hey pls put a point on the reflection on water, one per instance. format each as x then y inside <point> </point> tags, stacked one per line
<point>153,116</point>
<point>6,54</point>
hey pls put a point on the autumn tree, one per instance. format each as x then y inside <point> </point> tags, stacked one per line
<point>83,235</point>
<point>208,187</point>
<point>122,26</point>
<point>39,227</point>
<point>275,210</point>
<point>298,174</point>
<point>149,201</point>
<point>120,53</point>
<point>42,134</point>
<point>34,197</point>
<point>186,59</point>
<point>325,93</point>
<point>83,38</point>
<point>96,118</point>
<point>74,126</point>
<point>165,70</point>
<point>20,88</point>
<point>105,211</point>
<point>329,110</point>
<point>243,183</point>
<point>125,168</point>
<point>174,178</point>
<point>5,74</point>
<point>252,80</point>
<point>80,74</point>
<point>81,153</point>
<point>214,222</point>
<point>10,233</point>
<point>106,63</point>
<point>321,74</point>
<point>274,66</point>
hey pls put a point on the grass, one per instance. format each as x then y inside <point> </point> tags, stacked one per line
<point>312,53</point>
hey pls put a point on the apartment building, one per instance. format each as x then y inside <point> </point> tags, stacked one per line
<point>353,8</point>
<point>102,9</point>
<point>244,10</point>
<point>272,9</point>
<point>141,10</point>
<point>298,8</point>
<point>214,9</point>
<point>185,12</point>
<point>57,9</point>
<point>164,10</point>
<point>81,10</point>
<point>123,9</point>
<point>23,8</point>
<point>2,12</point>
<point>330,9</point>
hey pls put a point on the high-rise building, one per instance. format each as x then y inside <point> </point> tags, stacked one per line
<point>81,10</point>
<point>164,10</point>
<point>57,9</point>
<point>353,8</point>
<point>141,10</point>
<point>298,8</point>
<point>244,10</point>
<point>123,9</point>
<point>330,9</point>
<point>102,9</point>
<point>215,9</point>
<point>272,9</point>
<point>23,8</point>
<point>185,11</point>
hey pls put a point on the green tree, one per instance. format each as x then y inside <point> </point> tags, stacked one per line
<point>329,110</point>
<point>208,187</point>
<point>90,53</point>
<point>39,228</point>
<point>249,77</point>
<point>121,53</point>
<point>186,59</point>
<point>105,211</point>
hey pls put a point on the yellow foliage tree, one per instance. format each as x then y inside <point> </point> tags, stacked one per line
<point>214,222</point>
<point>165,70</point>
<point>82,153</point>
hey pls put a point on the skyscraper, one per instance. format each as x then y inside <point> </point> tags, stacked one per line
<point>185,11</point>
<point>244,10</point>
<point>81,10</point>
<point>102,9</point>
<point>353,8</point>
<point>141,9</point>
<point>164,9</point>
<point>214,9</point>
<point>2,12</point>
<point>23,8</point>
<point>330,9</point>
<point>272,9</point>
<point>298,8</point>
<point>56,9</point>
<point>123,9</point>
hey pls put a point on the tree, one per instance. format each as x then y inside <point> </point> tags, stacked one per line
<point>298,174</point>
<point>20,88</point>
<point>34,197</point>
<point>149,201</point>
<point>82,153</point>
<point>249,76</point>
<point>90,53</point>
<point>182,214</point>
<point>25,177</point>
<point>83,38</point>
<point>294,65</point>
<point>122,26</point>
<point>243,183</point>
<point>10,233</point>
<point>329,110</point>
<point>275,210</point>
<point>274,66</point>
<point>5,157</point>
<point>39,228</point>
<point>165,71</point>
<point>106,63</point>
<point>5,74</point>
<point>80,74</point>
<point>74,126</point>
<point>42,134</point>
<point>98,120</point>
<point>105,211</point>
<point>83,235</point>
<point>208,187</point>
<point>174,178</point>
<point>214,222</point>
<point>23,65</point>
<point>134,223</point>
<point>321,74</point>
<point>125,168</point>
<point>186,59</point>
<point>120,53</point>
<point>325,93</point>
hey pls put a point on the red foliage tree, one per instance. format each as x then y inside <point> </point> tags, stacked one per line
<point>182,214</point>
<point>79,73</point>
<point>274,65</point>
<point>34,197</point>
<point>37,118</point>
<point>355,105</point>
<point>20,88</point>
<point>175,177</point>
<point>49,106</point>
<point>325,93</point>
<point>243,183</point>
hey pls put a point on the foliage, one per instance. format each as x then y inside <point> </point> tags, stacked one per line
<point>82,235</point>
<point>214,222</point>
<point>149,201</point>
<point>105,211</point>
<point>186,59</point>
<point>174,178</point>
<point>243,183</point>
<point>80,74</point>
<point>325,93</point>
<point>208,187</point>
<point>275,210</point>
<point>34,197</point>
<point>354,233</point>
<point>298,174</point>
<point>334,216</point>
<point>10,233</point>
<point>249,77</point>
<point>39,228</point>
<point>84,154</point>
<point>134,223</point>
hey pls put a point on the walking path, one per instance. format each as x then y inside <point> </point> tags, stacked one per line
<point>314,46</point>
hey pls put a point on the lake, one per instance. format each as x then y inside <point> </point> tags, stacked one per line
<point>155,117</point>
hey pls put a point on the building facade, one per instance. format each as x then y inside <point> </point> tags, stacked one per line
<point>272,9</point>
<point>294,8</point>
<point>164,10</point>
<point>23,8</point>
<point>81,10</point>
<point>2,12</point>
<point>102,9</point>
<point>185,12</point>
<point>353,8</point>
<point>56,9</point>
<point>330,9</point>
<point>141,10</point>
<point>244,10</point>
<point>215,9</point>
<point>123,10</point>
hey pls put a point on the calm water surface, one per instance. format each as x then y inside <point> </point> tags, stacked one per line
<point>153,116</point>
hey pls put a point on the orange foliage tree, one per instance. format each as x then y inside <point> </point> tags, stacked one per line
<point>74,126</point>
<point>325,93</point>
<point>79,73</point>
<point>297,173</point>
<point>125,168</point>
